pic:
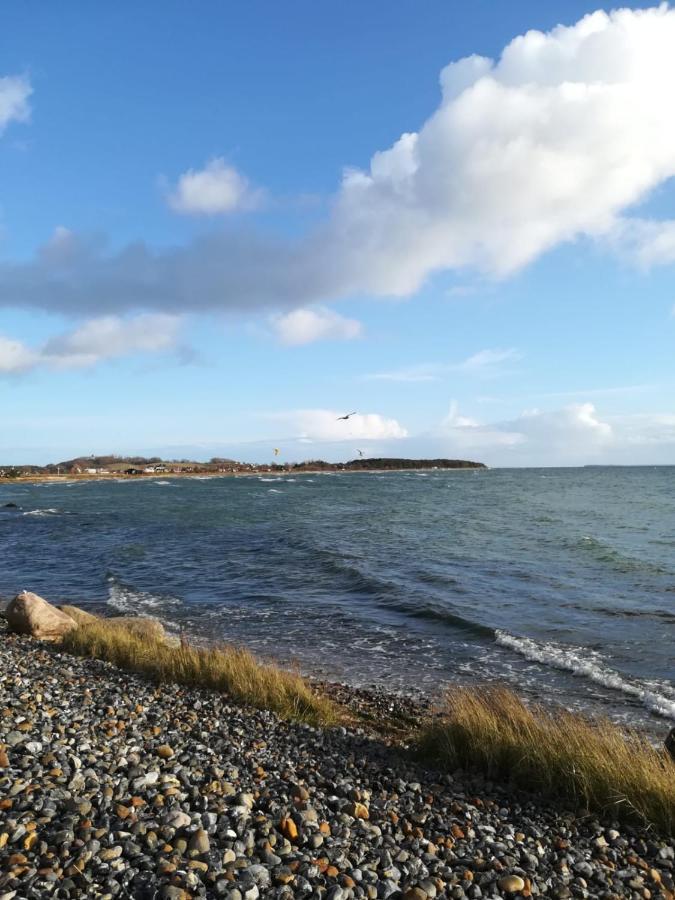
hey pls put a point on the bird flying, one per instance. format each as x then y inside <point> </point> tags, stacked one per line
<point>348,416</point>
<point>360,452</point>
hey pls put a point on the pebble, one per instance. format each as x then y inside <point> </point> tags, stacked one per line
<point>511,883</point>
<point>111,787</point>
<point>178,819</point>
<point>199,842</point>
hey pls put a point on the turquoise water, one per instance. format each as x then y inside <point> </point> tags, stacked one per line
<point>559,581</point>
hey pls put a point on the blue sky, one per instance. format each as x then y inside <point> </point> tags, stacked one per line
<point>221,228</point>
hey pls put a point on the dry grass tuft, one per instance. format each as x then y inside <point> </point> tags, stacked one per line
<point>596,765</point>
<point>142,626</point>
<point>232,670</point>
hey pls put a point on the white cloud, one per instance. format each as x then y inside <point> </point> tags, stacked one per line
<point>325,425</point>
<point>571,435</point>
<point>455,420</point>
<point>556,140</point>
<point>576,434</point>
<point>568,436</point>
<point>553,141</point>
<point>14,93</point>
<point>422,372</point>
<point>577,422</point>
<point>485,363</point>
<point>109,337</point>
<point>303,326</point>
<point>95,341</point>
<point>647,430</point>
<point>646,242</point>
<point>15,356</point>
<point>488,362</point>
<point>217,188</point>
<point>463,436</point>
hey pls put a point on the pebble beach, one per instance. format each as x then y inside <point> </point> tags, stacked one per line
<point>111,786</point>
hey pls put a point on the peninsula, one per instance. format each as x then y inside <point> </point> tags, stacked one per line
<point>138,466</point>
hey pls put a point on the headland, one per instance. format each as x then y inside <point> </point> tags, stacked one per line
<point>84,468</point>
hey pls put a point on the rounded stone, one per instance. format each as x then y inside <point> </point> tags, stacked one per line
<point>510,884</point>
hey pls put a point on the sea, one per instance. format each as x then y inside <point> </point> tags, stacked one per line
<point>557,582</point>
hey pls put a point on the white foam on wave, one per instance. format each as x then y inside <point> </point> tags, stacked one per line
<point>127,599</point>
<point>268,479</point>
<point>274,491</point>
<point>657,697</point>
<point>41,512</point>
<point>163,483</point>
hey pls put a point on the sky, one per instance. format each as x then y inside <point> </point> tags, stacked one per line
<point>224,226</point>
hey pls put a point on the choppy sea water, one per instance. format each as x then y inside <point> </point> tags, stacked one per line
<point>560,582</point>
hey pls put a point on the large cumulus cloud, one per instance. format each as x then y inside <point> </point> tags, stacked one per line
<point>554,141</point>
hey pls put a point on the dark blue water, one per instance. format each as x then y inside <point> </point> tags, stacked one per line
<point>559,581</point>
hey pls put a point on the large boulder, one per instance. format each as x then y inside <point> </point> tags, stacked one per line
<point>139,626</point>
<point>29,614</point>
<point>79,616</point>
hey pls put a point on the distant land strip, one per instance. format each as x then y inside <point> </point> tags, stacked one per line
<point>137,466</point>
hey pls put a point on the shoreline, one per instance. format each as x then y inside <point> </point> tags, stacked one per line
<point>112,477</point>
<point>150,790</point>
<point>411,702</point>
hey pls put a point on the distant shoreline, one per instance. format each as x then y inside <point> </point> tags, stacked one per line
<point>337,470</point>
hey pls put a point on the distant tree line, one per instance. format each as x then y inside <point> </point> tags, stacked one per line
<point>388,462</point>
<point>216,463</point>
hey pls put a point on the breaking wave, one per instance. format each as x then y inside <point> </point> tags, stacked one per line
<point>659,698</point>
<point>41,512</point>
<point>127,599</point>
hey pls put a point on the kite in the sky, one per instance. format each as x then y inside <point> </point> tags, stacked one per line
<point>276,451</point>
<point>348,416</point>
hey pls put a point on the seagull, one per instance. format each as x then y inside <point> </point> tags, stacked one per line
<point>360,452</point>
<point>348,416</point>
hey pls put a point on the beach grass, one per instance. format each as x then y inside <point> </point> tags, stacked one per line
<point>143,627</point>
<point>596,765</point>
<point>232,670</point>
